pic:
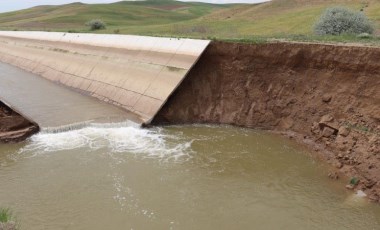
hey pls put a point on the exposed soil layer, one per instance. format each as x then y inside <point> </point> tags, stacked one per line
<point>14,127</point>
<point>325,96</point>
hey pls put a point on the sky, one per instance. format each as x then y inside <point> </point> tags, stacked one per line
<point>11,5</point>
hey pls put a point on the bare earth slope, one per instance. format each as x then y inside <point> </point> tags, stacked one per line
<point>325,96</point>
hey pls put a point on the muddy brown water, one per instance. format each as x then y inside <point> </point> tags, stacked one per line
<point>180,177</point>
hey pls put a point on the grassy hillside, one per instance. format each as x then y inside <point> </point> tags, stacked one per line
<point>121,14</point>
<point>278,18</point>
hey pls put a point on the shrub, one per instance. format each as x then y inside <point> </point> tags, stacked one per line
<point>340,20</point>
<point>364,35</point>
<point>96,24</point>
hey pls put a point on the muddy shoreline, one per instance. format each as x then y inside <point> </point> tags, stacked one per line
<point>14,127</point>
<point>324,96</point>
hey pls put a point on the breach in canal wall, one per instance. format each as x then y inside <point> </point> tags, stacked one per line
<point>327,96</point>
<point>14,127</point>
<point>134,72</point>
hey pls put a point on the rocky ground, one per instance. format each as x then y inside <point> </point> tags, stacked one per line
<point>13,127</point>
<point>351,147</point>
<point>325,96</point>
<point>8,226</point>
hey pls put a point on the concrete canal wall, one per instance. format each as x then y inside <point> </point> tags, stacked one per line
<point>134,72</point>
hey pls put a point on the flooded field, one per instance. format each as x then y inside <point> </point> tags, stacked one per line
<point>191,177</point>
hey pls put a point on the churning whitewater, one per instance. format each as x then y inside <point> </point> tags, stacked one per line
<point>149,143</point>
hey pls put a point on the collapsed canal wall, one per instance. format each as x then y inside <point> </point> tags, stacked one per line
<point>328,94</point>
<point>14,127</point>
<point>134,72</point>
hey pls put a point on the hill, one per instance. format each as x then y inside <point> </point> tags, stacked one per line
<point>278,18</point>
<point>121,14</point>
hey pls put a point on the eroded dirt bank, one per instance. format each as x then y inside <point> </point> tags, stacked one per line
<point>13,127</point>
<point>325,96</point>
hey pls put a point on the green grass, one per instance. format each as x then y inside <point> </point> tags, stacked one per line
<point>121,14</point>
<point>5,215</point>
<point>279,19</point>
<point>342,39</point>
<point>8,219</point>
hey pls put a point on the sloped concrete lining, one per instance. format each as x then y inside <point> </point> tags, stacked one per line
<point>137,73</point>
<point>52,107</point>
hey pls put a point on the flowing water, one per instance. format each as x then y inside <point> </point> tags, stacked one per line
<point>189,177</point>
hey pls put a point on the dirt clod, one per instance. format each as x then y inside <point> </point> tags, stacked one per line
<point>333,175</point>
<point>344,131</point>
<point>328,132</point>
<point>326,98</point>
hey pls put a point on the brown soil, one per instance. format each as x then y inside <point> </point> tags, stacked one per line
<point>325,96</point>
<point>13,127</point>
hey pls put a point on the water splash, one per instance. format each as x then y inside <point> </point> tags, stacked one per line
<point>91,123</point>
<point>148,143</point>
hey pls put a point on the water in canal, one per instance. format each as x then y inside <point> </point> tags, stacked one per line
<point>189,177</point>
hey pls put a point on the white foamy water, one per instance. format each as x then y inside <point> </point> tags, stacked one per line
<point>149,143</point>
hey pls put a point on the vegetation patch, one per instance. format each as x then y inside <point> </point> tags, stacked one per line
<point>354,181</point>
<point>364,35</point>
<point>96,24</point>
<point>292,20</point>
<point>7,220</point>
<point>340,20</point>
<point>248,23</point>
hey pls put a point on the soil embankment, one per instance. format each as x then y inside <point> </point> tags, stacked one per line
<point>325,96</point>
<point>14,127</point>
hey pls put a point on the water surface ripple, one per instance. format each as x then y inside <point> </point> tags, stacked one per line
<point>181,177</point>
